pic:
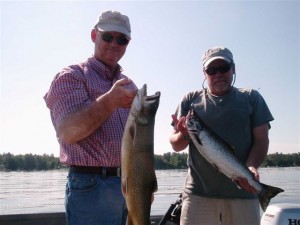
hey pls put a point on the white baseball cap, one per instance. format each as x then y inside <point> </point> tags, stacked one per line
<point>214,53</point>
<point>114,21</point>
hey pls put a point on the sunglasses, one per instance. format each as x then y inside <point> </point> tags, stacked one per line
<point>222,69</point>
<point>107,37</point>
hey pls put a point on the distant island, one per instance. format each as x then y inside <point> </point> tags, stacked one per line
<point>30,162</point>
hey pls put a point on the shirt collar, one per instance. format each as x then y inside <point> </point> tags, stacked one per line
<point>103,70</point>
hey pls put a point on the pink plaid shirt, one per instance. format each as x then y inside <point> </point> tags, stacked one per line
<point>75,87</point>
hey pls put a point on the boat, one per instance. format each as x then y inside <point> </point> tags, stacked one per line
<point>171,217</point>
<point>56,218</point>
<point>276,214</point>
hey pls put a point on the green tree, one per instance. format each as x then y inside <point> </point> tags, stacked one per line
<point>10,162</point>
<point>29,162</point>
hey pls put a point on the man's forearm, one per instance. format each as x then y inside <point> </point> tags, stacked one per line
<point>259,149</point>
<point>80,124</point>
<point>178,142</point>
<point>257,155</point>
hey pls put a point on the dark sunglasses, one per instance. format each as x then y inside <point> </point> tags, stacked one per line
<point>222,69</point>
<point>107,37</point>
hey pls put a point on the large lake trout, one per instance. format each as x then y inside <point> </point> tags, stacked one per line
<point>137,162</point>
<point>221,156</point>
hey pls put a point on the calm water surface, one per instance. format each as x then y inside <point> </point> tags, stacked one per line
<point>43,191</point>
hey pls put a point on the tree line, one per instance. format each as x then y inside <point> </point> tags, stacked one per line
<point>29,162</point>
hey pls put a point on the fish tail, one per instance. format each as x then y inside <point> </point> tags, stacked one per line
<point>129,220</point>
<point>266,194</point>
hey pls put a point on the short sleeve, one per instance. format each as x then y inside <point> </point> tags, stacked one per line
<point>260,113</point>
<point>67,93</point>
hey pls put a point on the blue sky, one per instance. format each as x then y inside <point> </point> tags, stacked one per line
<point>39,38</point>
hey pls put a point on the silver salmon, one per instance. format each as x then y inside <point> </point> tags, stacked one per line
<point>220,155</point>
<point>137,158</point>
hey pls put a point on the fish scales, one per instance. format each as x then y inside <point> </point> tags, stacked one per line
<point>137,158</point>
<point>221,156</point>
<point>217,154</point>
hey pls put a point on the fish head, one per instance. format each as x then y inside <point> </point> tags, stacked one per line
<point>193,122</point>
<point>194,126</point>
<point>144,107</point>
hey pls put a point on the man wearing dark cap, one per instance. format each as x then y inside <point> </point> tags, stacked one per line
<point>241,118</point>
<point>89,104</point>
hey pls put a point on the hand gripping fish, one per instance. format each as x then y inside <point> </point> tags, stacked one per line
<point>137,158</point>
<point>220,155</point>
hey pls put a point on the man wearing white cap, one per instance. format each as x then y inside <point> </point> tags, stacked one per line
<point>89,104</point>
<point>240,117</point>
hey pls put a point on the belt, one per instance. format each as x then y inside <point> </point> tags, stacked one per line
<point>103,171</point>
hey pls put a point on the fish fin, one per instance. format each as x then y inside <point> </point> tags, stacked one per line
<point>129,220</point>
<point>124,188</point>
<point>215,167</point>
<point>131,131</point>
<point>231,149</point>
<point>155,186</point>
<point>266,194</point>
<point>237,184</point>
<point>198,139</point>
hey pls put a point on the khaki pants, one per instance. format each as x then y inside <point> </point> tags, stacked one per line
<point>211,211</point>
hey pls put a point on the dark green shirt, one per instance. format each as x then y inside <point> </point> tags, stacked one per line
<point>232,117</point>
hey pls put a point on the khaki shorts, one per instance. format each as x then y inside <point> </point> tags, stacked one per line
<point>197,210</point>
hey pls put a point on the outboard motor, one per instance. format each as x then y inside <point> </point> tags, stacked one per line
<point>281,214</point>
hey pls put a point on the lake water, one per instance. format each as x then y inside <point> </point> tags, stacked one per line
<point>39,192</point>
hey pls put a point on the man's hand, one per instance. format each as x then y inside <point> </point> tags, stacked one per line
<point>243,182</point>
<point>120,95</point>
<point>179,125</point>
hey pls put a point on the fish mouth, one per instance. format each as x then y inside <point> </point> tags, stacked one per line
<point>144,102</point>
<point>144,107</point>
<point>151,98</point>
<point>190,117</point>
